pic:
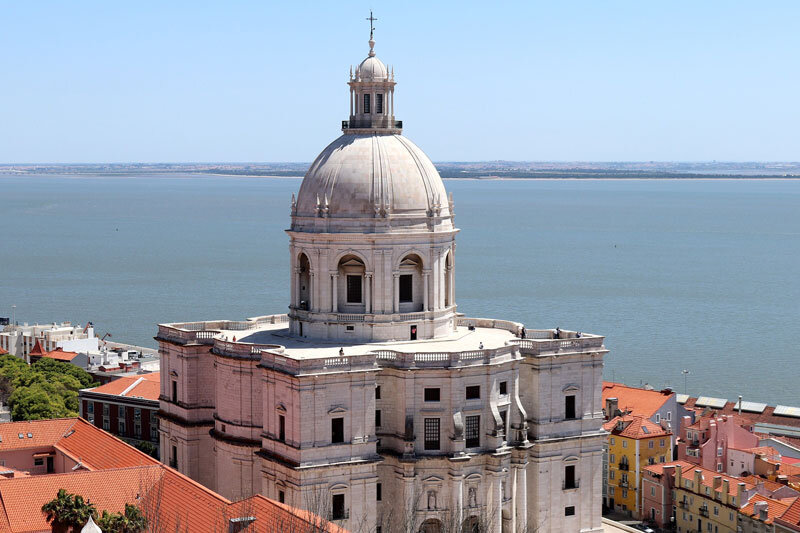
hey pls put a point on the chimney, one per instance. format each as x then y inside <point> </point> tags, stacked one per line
<point>740,404</point>
<point>698,479</point>
<point>726,490</point>
<point>611,408</point>
<point>740,495</point>
<point>678,475</point>
<point>760,508</point>
<point>239,524</point>
<point>717,482</point>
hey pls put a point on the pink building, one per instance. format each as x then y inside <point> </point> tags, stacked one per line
<point>718,443</point>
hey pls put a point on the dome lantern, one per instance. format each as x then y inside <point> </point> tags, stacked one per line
<point>371,95</point>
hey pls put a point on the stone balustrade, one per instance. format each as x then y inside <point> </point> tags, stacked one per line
<point>393,358</point>
<point>546,346</point>
<point>244,350</point>
<point>204,332</point>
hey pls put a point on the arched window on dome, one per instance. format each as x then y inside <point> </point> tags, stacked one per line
<point>410,286</point>
<point>303,282</point>
<point>350,290</point>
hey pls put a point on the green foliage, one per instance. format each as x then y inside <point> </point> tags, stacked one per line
<point>147,447</point>
<point>131,521</point>
<point>68,510</point>
<point>45,389</point>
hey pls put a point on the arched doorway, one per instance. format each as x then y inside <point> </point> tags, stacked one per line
<point>351,295</point>
<point>431,525</point>
<point>471,525</point>
<point>411,290</point>
<point>303,282</point>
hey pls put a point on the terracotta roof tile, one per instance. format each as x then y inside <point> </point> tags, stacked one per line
<point>147,386</point>
<point>791,515</point>
<point>768,416</point>
<point>638,401</point>
<point>37,349</point>
<point>635,427</point>
<point>60,355</point>
<point>44,433</point>
<point>774,507</point>
<point>3,352</point>
<point>98,450</point>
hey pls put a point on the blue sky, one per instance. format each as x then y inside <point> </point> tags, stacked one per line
<point>255,81</point>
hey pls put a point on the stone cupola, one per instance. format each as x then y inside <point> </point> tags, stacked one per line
<point>372,237</point>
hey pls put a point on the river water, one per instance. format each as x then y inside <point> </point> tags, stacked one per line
<point>702,275</point>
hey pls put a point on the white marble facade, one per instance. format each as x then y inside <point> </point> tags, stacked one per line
<point>373,401</point>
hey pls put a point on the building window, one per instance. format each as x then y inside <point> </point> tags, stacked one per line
<point>173,460</point>
<point>662,443</point>
<point>569,407</point>
<point>174,391</point>
<point>610,491</point>
<point>377,418</point>
<point>624,494</point>
<point>719,467</point>
<point>38,462</point>
<point>651,444</point>
<point>353,289</point>
<point>378,392</point>
<point>473,431</point>
<point>503,388</point>
<point>432,433</point>
<point>569,477</point>
<point>281,496</point>
<point>569,511</point>
<point>337,430</point>
<point>624,444</point>
<point>652,491</point>
<point>612,458</point>
<point>281,428</point>
<point>474,392</point>
<point>432,395</point>
<point>106,424</point>
<point>337,501</point>
<point>121,411</point>
<point>90,407</point>
<point>366,104</point>
<point>378,492</point>
<point>121,428</point>
<point>105,409</point>
<point>658,418</point>
<point>406,288</point>
<point>379,103</point>
<point>611,474</point>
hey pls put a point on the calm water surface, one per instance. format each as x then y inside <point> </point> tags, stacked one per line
<point>701,275</point>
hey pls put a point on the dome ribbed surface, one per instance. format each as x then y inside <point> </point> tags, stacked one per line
<point>360,175</point>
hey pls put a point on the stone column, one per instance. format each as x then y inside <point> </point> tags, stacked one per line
<point>296,287</point>
<point>351,101</point>
<point>520,515</point>
<point>425,300</point>
<point>335,293</point>
<point>368,292</point>
<point>396,292</point>
<point>312,291</point>
<point>496,518</point>
<point>392,102</point>
<point>458,500</point>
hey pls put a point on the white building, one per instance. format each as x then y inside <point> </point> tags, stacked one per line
<point>373,400</point>
<point>20,340</point>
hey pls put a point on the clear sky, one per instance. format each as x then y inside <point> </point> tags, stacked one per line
<point>265,82</point>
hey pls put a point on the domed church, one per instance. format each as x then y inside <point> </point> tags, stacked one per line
<point>373,402</point>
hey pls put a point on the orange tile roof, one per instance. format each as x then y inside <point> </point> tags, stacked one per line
<point>44,433</point>
<point>658,468</point>
<point>37,349</point>
<point>60,355</point>
<point>147,386</point>
<point>281,517</point>
<point>771,486</point>
<point>792,515</point>
<point>775,508</point>
<point>3,352</point>
<point>118,474</point>
<point>638,401</point>
<point>635,427</point>
<point>707,476</point>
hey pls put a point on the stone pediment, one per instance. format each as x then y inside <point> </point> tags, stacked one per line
<point>409,262</point>
<point>337,410</point>
<point>352,263</point>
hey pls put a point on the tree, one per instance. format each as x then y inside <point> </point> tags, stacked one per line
<point>130,521</point>
<point>68,510</point>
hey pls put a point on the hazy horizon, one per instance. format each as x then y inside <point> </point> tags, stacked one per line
<point>538,81</point>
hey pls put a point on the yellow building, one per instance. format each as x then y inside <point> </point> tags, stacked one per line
<point>633,443</point>
<point>707,501</point>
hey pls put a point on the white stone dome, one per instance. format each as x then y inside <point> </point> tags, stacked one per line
<point>371,69</point>
<point>373,176</point>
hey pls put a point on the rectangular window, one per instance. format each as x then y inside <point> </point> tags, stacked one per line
<point>353,289</point>
<point>174,391</point>
<point>337,501</point>
<point>474,392</point>
<point>611,474</point>
<point>432,433</point>
<point>432,395</point>
<point>569,477</point>
<point>612,458</point>
<point>472,431</point>
<point>90,406</point>
<point>337,430</point>
<point>503,388</point>
<point>377,418</point>
<point>569,407</point>
<point>121,411</point>
<point>105,409</point>
<point>651,444</point>
<point>569,511</point>
<point>379,103</point>
<point>378,392</point>
<point>121,429</point>
<point>366,104</point>
<point>281,428</point>
<point>612,440</point>
<point>378,492</point>
<point>406,286</point>
<point>281,496</point>
<point>173,461</point>
<point>38,462</point>
<point>662,443</point>
<point>624,444</point>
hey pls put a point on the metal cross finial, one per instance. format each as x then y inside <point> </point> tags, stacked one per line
<point>371,19</point>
